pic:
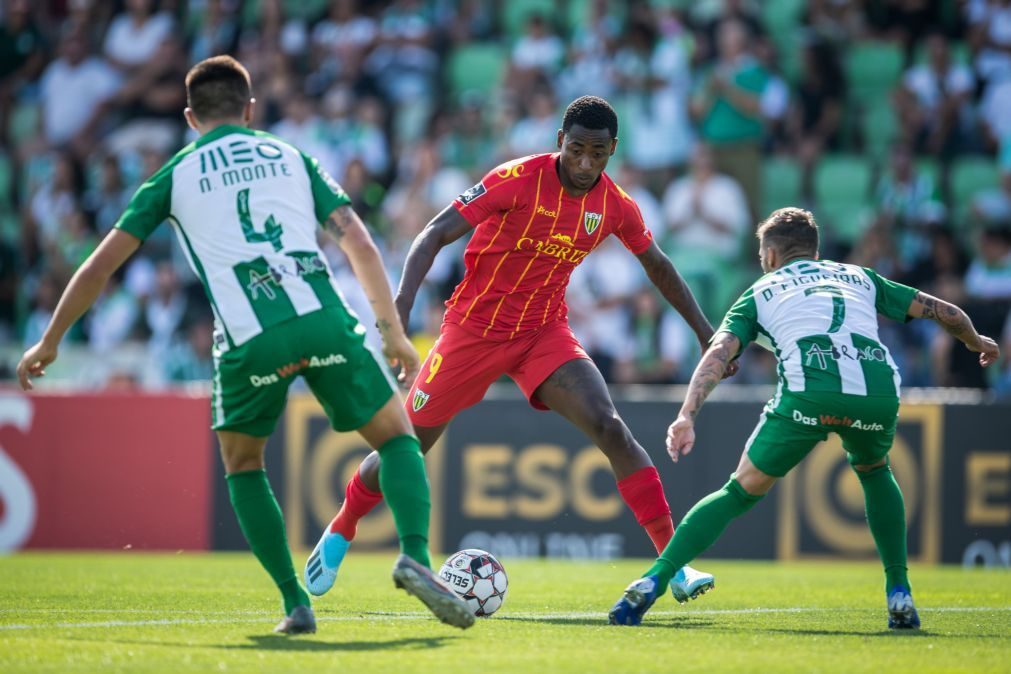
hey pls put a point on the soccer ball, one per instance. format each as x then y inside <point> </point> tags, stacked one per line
<point>478,578</point>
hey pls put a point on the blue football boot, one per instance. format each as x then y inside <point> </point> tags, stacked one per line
<point>902,613</point>
<point>322,565</point>
<point>638,598</point>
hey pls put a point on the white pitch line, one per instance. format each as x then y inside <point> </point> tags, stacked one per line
<point>419,615</point>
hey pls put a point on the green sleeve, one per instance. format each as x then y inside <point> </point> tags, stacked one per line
<point>892,299</point>
<point>150,206</point>
<point>742,319</point>
<point>326,193</point>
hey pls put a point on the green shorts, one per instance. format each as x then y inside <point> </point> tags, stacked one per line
<point>326,347</point>
<point>793,423</point>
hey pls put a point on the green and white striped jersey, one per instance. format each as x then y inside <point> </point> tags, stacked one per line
<point>821,320</point>
<point>246,207</point>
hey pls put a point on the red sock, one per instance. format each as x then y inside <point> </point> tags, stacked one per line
<point>643,493</point>
<point>358,501</point>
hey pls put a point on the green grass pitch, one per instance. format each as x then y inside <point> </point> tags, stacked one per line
<point>135,612</point>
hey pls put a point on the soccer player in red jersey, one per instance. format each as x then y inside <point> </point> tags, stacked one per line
<point>533,220</point>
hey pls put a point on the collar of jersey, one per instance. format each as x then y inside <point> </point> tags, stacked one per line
<point>223,130</point>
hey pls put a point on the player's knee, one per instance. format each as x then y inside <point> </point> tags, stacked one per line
<point>862,468</point>
<point>237,461</point>
<point>610,433</point>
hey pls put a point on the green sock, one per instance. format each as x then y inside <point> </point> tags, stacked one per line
<point>700,528</point>
<point>263,526</point>
<point>886,517</point>
<point>404,485</point>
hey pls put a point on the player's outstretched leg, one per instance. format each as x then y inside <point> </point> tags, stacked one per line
<point>886,517</point>
<point>262,524</point>
<point>698,530</point>
<point>324,562</point>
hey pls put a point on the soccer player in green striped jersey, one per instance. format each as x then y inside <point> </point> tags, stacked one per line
<point>246,207</point>
<point>835,376</point>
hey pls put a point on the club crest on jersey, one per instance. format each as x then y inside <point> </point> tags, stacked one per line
<point>419,400</point>
<point>472,194</point>
<point>592,221</point>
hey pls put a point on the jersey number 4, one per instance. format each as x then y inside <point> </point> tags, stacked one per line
<point>271,228</point>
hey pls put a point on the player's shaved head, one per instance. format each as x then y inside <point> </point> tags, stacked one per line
<point>792,231</point>
<point>218,88</point>
<point>591,112</point>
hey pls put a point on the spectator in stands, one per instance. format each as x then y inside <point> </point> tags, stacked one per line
<point>707,217</point>
<point>215,30</point>
<point>164,310</point>
<point>659,346</point>
<point>303,127</point>
<point>74,91</point>
<point>135,35</point>
<point>107,199</point>
<point>22,57</point>
<point>113,318</point>
<point>933,101</point>
<point>904,193</point>
<point>993,206</point>
<point>743,12</point>
<point>190,359</point>
<point>538,54</point>
<point>654,83</point>
<point>905,20</point>
<point>468,145</point>
<point>150,101</point>
<point>11,278</point>
<point>53,203</point>
<point>990,31</point>
<point>728,106</point>
<point>989,274</point>
<point>424,185</point>
<point>600,293</point>
<point>833,22</point>
<point>537,131</point>
<point>342,41</point>
<point>404,65</point>
<point>43,303</point>
<point>631,180</point>
<point>817,111</point>
<point>706,212</point>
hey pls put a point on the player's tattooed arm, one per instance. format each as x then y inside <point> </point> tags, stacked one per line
<point>709,372</point>
<point>444,229</point>
<point>672,286</point>
<point>956,323</point>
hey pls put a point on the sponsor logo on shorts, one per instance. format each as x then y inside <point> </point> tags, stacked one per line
<point>291,369</point>
<point>833,420</point>
<point>472,194</point>
<point>591,221</point>
<point>419,399</point>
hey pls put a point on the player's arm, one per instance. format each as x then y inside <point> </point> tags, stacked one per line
<point>956,323</point>
<point>672,286</point>
<point>708,373</point>
<point>444,229</point>
<point>367,264</point>
<point>84,288</point>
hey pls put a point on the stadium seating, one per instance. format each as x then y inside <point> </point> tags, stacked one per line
<point>879,126</point>
<point>873,69</point>
<point>516,12</point>
<point>780,183</point>
<point>476,66</point>
<point>970,175</point>
<point>841,187</point>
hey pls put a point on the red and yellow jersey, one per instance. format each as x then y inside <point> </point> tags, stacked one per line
<point>529,236</point>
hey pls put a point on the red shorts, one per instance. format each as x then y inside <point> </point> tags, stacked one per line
<point>461,366</point>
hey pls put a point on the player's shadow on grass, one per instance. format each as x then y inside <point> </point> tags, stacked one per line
<point>892,634</point>
<point>278,642</point>
<point>682,623</point>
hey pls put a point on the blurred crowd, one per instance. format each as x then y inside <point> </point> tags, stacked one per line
<point>890,119</point>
